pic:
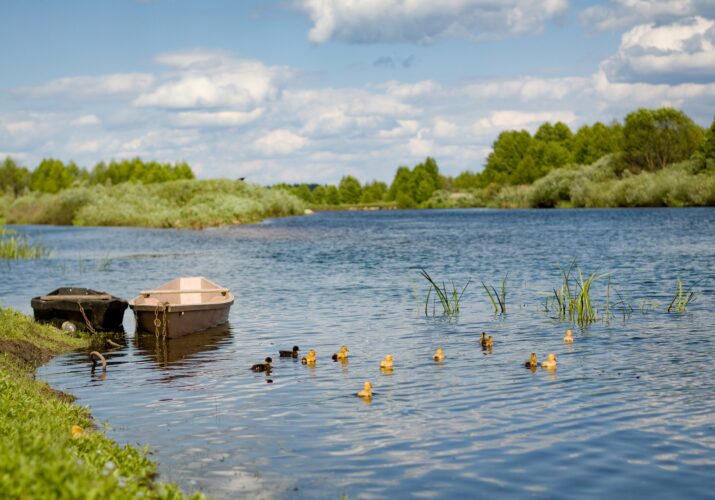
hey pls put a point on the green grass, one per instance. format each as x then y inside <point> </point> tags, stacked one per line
<point>573,299</point>
<point>177,204</point>
<point>448,299</point>
<point>14,247</point>
<point>498,300</point>
<point>681,299</point>
<point>39,457</point>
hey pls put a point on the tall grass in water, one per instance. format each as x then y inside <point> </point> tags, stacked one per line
<point>13,247</point>
<point>448,299</point>
<point>573,300</point>
<point>681,299</point>
<point>498,300</point>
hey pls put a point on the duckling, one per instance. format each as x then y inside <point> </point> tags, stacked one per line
<point>439,355</point>
<point>489,343</point>
<point>549,363</point>
<point>387,362</point>
<point>532,362</point>
<point>309,359</point>
<point>366,392</point>
<point>483,339</point>
<point>569,336</point>
<point>263,367</point>
<point>76,431</point>
<point>341,355</point>
<point>290,354</point>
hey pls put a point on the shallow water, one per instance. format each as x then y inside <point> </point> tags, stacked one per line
<point>629,412</point>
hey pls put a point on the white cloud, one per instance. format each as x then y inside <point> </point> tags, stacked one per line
<point>212,79</point>
<point>377,21</point>
<point>279,142</point>
<point>513,119</point>
<point>92,86</point>
<point>404,128</point>
<point>409,90</point>
<point>217,118</point>
<point>421,145</point>
<point>86,120</point>
<point>618,14</point>
<point>527,88</point>
<point>683,51</point>
<point>444,128</point>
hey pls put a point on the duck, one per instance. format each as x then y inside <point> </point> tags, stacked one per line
<point>439,355</point>
<point>341,355</point>
<point>387,362</point>
<point>489,343</point>
<point>263,367</point>
<point>549,363</point>
<point>532,362</point>
<point>483,339</point>
<point>290,354</point>
<point>309,359</point>
<point>366,392</point>
<point>569,336</point>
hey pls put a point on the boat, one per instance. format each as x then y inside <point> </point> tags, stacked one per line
<point>182,306</point>
<point>86,308</point>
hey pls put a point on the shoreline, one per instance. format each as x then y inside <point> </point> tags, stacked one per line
<point>51,446</point>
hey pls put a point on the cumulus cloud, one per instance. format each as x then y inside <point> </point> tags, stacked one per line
<point>217,118</point>
<point>423,21</point>
<point>527,88</point>
<point>91,86</point>
<point>279,142</point>
<point>618,14</point>
<point>212,79</point>
<point>683,51</point>
<point>514,119</point>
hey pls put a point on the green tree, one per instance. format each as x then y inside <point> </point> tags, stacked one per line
<point>466,180</point>
<point>591,143</point>
<point>332,195</point>
<point>400,183</point>
<point>350,190</point>
<point>373,192</point>
<point>52,175</point>
<point>708,144</point>
<point>653,139</point>
<point>507,151</point>
<point>13,178</point>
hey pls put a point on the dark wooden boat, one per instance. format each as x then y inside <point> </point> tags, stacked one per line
<point>87,309</point>
<point>182,306</point>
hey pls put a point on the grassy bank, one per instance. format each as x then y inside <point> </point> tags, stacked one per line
<point>49,447</point>
<point>600,185</point>
<point>178,204</point>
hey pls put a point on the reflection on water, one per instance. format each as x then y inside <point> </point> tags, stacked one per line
<point>630,410</point>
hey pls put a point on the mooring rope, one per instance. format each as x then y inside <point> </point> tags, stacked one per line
<point>160,322</point>
<point>86,319</point>
<point>95,354</point>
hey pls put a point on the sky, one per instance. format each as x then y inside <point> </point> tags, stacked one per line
<point>312,90</point>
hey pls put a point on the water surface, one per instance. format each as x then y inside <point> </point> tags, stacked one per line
<point>629,412</point>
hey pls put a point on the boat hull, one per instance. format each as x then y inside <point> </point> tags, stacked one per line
<point>106,315</point>
<point>180,320</point>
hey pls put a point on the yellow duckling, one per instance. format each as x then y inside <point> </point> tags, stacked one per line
<point>569,336</point>
<point>309,359</point>
<point>439,355</point>
<point>341,355</point>
<point>489,343</point>
<point>366,392</point>
<point>76,431</point>
<point>532,362</point>
<point>549,363</point>
<point>387,362</point>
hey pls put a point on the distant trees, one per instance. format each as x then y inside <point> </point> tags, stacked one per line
<point>652,139</point>
<point>708,145</point>
<point>136,170</point>
<point>13,178</point>
<point>410,188</point>
<point>52,176</point>
<point>349,190</point>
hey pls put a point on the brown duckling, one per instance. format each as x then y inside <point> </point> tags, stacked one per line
<point>263,367</point>
<point>439,355</point>
<point>489,343</point>
<point>532,362</point>
<point>290,354</point>
<point>341,355</point>
<point>309,359</point>
<point>568,338</point>
<point>483,339</point>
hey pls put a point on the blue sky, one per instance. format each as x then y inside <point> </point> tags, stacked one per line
<point>311,90</point>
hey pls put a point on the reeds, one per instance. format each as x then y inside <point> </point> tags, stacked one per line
<point>573,300</point>
<point>681,299</point>
<point>17,247</point>
<point>498,300</point>
<point>449,299</point>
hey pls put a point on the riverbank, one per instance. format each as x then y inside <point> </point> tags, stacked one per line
<point>51,447</point>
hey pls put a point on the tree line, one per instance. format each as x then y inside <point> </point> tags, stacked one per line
<point>647,141</point>
<point>52,175</point>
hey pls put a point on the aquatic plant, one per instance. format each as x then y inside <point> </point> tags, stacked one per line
<point>13,247</point>
<point>681,299</point>
<point>498,300</point>
<point>448,299</point>
<point>574,302</point>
